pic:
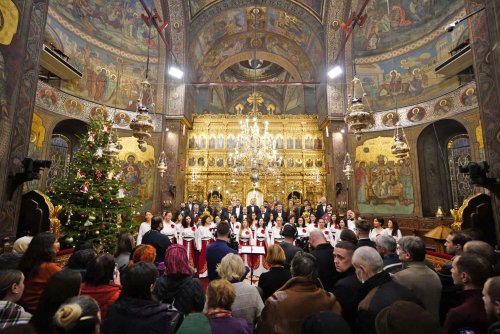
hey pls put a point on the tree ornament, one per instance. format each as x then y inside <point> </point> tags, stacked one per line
<point>98,152</point>
<point>97,232</point>
<point>87,223</point>
<point>91,136</point>
<point>69,240</point>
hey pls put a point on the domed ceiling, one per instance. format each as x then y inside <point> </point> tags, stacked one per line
<point>289,43</point>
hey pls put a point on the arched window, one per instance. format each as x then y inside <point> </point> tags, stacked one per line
<point>459,155</point>
<point>60,154</point>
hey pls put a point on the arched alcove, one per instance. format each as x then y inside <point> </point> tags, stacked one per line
<point>63,143</point>
<point>437,165</point>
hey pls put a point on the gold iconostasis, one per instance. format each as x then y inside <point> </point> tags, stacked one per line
<point>299,142</point>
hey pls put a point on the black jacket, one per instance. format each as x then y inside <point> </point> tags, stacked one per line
<point>159,241</point>
<point>378,292</point>
<point>326,267</point>
<point>366,242</point>
<point>186,290</point>
<point>290,251</point>
<point>131,315</point>
<point>274,279</point>
<point>345,290</point>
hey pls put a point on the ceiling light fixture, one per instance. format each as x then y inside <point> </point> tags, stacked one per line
<point>335,72</point>
<point>176,72</point>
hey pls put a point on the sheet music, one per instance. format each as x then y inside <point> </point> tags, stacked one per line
<point>252,250</point>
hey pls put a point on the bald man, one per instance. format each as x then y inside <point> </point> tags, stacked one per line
<point>323,252</point>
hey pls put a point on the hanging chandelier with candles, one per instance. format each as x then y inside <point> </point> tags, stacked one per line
<point>357,118</point>
<point>255,151</point>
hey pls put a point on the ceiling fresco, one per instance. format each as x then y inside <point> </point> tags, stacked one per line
<point>405,22</point>
<point>316,7</point>
<point>251,29</point>
<point>107,22</point>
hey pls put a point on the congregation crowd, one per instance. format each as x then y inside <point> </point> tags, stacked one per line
<point>314,272</point>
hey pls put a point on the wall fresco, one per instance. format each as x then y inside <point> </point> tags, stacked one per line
<point>138,170</point>
<point>405,22</point>
<point>117,23</point>
<point>409,78</point>
<point>101,71</point>
<point>383,185</point>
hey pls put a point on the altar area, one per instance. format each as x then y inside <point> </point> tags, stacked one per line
<point>301,173</point>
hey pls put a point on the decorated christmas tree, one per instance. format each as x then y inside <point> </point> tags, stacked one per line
<point>93,192</point>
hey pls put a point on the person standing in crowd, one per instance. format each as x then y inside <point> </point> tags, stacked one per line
<point>145,227</point>
<point>491,299</point>
<point>302,296</point>
<point>347,284</point>
<point>377,290</point>
<point>416,276</point>
<point>312,222</point>
<point>393,229</point>
<point>169,227</point>
<point>321,207</point>
<point>279,213</point>
<point>470,272</point>
<point>276,237</point>
<point>363,233</point>
<point>202,239</point>
<point>378,228</point>
<point>248,303</point>
<point>195,214</point>
<point>123,250</point>
<point>323,252</point>
<point>60,286</point>
<point>220,298</point>
<point>259,262</point>
<point>351,220</point>
<point>325,230</point>
<point>277,275</point>
<point>235,225</point>
<point>136,311</point>
<point>289,234</point>
<point>386,246</point>
<point>102,282</point>
<point>245,239</point>
<point>219,249</point>
<point>78,315</point>
<point>155,238</point>
<point>253,208</point>
<point>238,211</point>
<point>177,286</point>
<point>38,265</point>
<point>11,290</point>
<point>186,238</point>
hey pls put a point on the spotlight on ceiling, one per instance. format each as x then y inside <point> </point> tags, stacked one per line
<point>335,72</point>
<point>175,72</point>
<point>452,25</point>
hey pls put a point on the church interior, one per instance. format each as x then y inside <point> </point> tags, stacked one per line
<point>212,166</point>
<point>384,107</point>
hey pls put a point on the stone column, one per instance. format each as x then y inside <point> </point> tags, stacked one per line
<point>21,38</point>
<point>485,32</point>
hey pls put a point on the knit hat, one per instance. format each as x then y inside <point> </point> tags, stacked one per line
<point>325,322</point>
<point>143,253</point>
<point>395,318</point>
<point>176,261</point>
<point>21,244</point>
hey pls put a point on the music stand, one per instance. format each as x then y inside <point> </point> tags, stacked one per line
<point>252,250</point>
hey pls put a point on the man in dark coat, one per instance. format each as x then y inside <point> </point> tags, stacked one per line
<point>154,238</point>
<point>469,271</point>
<point>377,290</point>
<point>363,233</point>
<point>386,246</point>
<point>289,233</point>
<point>347,284</point>
<point>323,252</point>
<point>217,250</point>
<point>321,208</point>
<point>302,296</point>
